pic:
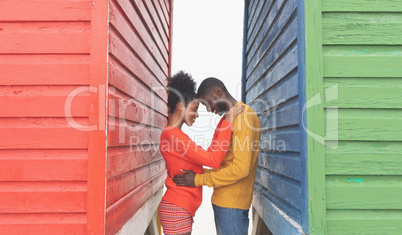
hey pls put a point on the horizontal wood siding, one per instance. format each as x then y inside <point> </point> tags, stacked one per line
<point>271,89</point>
<point>45,67</point>
<point>138,68</point>
<point>362,83</point>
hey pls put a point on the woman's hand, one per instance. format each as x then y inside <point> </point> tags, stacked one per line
<point>233,112</point>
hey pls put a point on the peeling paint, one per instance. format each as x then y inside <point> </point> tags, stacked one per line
<point>355,180</point>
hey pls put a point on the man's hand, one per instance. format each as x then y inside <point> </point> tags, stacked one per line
<point>185,180</point>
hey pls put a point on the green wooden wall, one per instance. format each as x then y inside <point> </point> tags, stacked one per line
<point>354,63</point>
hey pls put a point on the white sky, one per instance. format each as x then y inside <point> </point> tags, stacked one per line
<point>207,42</point>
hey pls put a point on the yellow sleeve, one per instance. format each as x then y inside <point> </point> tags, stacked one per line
<point>242,141</point>
<point>207,170</point>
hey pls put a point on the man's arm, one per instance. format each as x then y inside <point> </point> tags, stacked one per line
<point>242,148</point>
<point>242,141</point>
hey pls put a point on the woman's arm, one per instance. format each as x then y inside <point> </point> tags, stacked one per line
<point>188,150</point>
<point>212,157</point>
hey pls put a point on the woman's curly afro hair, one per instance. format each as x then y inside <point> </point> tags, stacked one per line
<point>181,88</point>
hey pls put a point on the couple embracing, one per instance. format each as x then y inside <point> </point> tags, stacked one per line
<point>232,156</point>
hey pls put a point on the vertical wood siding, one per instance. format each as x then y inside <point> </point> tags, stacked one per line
<point>362,58</point>
<point>138,68</point>
<point>44,55</point>
<point>271,89</point>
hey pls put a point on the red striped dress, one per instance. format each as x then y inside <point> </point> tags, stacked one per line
<point>180,152</point>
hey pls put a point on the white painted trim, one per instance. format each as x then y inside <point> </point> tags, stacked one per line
<point>276,220</point>
<point>138,224</point>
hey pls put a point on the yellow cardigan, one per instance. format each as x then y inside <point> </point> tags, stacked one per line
<point>233,182</point>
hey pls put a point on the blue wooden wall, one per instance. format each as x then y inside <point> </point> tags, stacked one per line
<point>271,87</point>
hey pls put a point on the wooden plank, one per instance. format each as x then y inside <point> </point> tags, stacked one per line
<point>282,187</point>
<point>155,62</point>
<point>258,25</point>
<point>147,18</point>
<point>363,164</point>
<point>138,68</point>
<point>286,164</point>
<point>119,213</point>
<point>28,69</point>
<point>364,222</point>
<point>99,41</point>
<point>286,139</point>
<point>128,109</point>
<point>364,158</point>
<point>283,18</point>
<point>361,6</point>
<point>158,17</point>
<point>164,12</point>
<point>139,222</point>
<point>363,97</point>
<point>41,101</point>
<point>125,82</point>
<point>45,10</point>
<point>117,187</point>
<point>125,159</point>
<point>40,223</point>
<point>284,69</point>
<point>43,197</point>
<point>362,28</point>
<point>153,228</point>
<point>124,133</point>
<point>259,227</point>
<point>275,219</point>
<point>270,48</point>
<point>268,61</point>
<point>252,6</point>
<point>43,170</point>
<point>364,92</point>
<point>280,116</point>
<point>301,70</point>
<point>362,61</point>
<point>43,165</point>
<point>315,117</point>
<point>257,17</point>
<point>269,21</point>
<point>45,37</point>
<point>364,124</point>
<point>362,67</point>
<point>160,29</point>
<point>287,209</point>
<point>168,5</point>
<point>154,45</point>
<point>366,129</point>
<point>42,133</point>
<point>170,40</point>
<point>282,93</point>
<point>362,51</point>
<point>364,192</point>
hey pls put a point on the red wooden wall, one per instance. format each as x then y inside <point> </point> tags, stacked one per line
<point>57,178</point>
<point>44,55</point>
<point>138,67</point>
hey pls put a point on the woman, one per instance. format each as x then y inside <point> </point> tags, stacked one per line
<point>179,204</point>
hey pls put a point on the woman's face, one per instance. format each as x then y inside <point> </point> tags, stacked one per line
<point>191,112</point>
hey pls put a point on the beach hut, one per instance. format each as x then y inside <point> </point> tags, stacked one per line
<point>325,77</point>
<point>83,103</point>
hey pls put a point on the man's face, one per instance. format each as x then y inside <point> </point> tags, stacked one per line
<point>214,104</point>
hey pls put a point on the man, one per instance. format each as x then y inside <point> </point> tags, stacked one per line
<point>233,182</point>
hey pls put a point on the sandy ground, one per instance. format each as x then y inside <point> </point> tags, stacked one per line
<point>204,218</point>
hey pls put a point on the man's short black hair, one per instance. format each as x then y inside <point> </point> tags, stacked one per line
<point>208,84</point>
